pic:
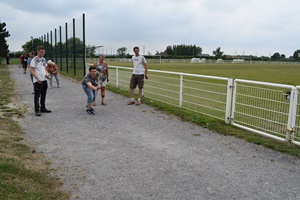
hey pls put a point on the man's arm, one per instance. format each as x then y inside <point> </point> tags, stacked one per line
<point>35,75</point>
<point>89,84</point>
<point>146,70</point>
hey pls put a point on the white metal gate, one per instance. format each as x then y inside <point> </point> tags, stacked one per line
<point>264,108</point>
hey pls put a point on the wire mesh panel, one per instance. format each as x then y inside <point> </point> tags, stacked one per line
<point>163,87</point>
<point>124,78</point>
<point>120,76</point>
<point>79,48</point>
<point>261,107</point>
<point>205,95</point>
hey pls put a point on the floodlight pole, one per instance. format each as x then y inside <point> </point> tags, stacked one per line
<point>31,43</point>
<point>96,47</point>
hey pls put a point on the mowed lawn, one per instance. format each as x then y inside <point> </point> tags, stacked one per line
<point>274,73</point>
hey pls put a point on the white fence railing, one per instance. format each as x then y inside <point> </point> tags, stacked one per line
<point>265,108</point>
<point>208,95</point>
<point>159,60</point>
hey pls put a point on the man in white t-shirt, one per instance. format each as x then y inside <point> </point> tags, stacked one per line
<point>140,70</point>
<point>38,70</point>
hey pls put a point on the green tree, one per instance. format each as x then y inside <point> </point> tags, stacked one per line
<point>282,57</point>
<point>183,50</point>
<point>78,45</point>
<point>296,55</point>
<point>218,53</point>
<point>31,45</point>
<point>169,51</point>
<point>3,43</point>
<point>90,51</point>
<point>276,56</point>
<point>122,51</point>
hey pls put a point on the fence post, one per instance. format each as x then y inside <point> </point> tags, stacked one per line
<point>228,100</point>
<point>74,53</point>
<point>60,48</point>
<point>292,115</point>
<point>83,44</point>
<point>67,49</point>
<point>295,107</point>
<point>51,45</point>
<point>48,50</point>
<point>44,40</point>
<point>117,76</point>
<point>55,47</point>
<point>180,90</point>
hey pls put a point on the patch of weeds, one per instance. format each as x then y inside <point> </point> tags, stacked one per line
<point>23,175</point>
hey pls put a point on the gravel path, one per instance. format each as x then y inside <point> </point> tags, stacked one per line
<point>135,152</point>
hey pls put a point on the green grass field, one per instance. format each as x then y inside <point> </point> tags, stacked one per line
<point>274,73</point>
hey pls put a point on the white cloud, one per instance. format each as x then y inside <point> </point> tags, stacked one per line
<point>237,26</point>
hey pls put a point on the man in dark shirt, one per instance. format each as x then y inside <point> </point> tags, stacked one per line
<point>89,86</point>
<point>24,63</point>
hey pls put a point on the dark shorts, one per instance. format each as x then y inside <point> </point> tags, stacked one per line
<point>137,80</point>
<point>24,65</point>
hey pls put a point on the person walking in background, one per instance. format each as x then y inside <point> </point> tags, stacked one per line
<point>21,57</point>
<point>38,70</point>
<point>140,70</point>
<point>31,55</point>
<point>102,68</point>
<point>53,71</point>
<point>89,86</point>
<point>24,62</point>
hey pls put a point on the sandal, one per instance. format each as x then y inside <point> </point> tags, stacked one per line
<point>138,102</point>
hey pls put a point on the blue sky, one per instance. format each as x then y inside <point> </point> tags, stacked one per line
<point>249,27</point>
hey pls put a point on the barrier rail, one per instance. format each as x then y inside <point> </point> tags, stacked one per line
<point>264,108</point>
<point>208,95</point>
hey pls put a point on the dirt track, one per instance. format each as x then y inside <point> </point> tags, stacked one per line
<point>136,152</point>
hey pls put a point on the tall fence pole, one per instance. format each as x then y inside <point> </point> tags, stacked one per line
<point>47,44</point>
<point>83,43</point>
<point>60,48</point>
<point>55,47</point>
<point>74,49</point>
<point>67,48</point>
<point>51,45</point>
<point>44,41</point>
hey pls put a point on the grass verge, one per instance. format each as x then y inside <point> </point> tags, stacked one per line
<point>24,174</point>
